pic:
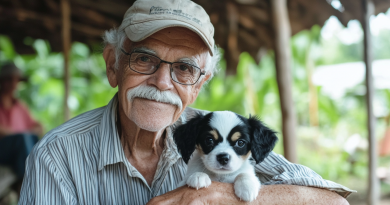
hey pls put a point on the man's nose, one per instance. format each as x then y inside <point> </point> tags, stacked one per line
<point>162,77</point>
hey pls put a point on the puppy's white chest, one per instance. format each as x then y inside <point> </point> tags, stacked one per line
<point>223,178</point>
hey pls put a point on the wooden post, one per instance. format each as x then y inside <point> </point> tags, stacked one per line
<point>66,43</point>
<point>373,183</point>
<point>282,33</point>
<point>232,53</point>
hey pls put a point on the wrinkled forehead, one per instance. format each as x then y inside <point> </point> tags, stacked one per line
<point>173,44</point>
<point>224,122</point>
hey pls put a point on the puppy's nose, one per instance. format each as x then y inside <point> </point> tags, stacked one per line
<point>223,158</point>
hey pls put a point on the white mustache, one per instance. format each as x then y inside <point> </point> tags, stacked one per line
<point>152,93</point>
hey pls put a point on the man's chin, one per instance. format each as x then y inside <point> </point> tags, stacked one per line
<point>151,115</point>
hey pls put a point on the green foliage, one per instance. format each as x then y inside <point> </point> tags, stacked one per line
<point>7,49</point>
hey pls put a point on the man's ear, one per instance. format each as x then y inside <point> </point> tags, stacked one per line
<point>263,139</point>
<point>185,137</point>
<point>111,71</point>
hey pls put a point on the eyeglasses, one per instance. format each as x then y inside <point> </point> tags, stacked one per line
<point>147,64</point>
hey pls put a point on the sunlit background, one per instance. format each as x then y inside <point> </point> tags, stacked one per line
<point>328,90</point>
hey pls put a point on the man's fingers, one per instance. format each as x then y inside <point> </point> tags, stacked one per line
<point>182,195</point>
<point>167,198</point>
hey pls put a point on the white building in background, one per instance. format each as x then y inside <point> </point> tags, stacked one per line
<point>337,79</point>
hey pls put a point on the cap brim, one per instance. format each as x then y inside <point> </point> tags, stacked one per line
<point>140,31</point>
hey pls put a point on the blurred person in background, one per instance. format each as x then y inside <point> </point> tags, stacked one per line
<point>18,130</point>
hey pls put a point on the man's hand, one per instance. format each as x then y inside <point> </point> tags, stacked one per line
<point>191,196</point>
<point>223,193</point>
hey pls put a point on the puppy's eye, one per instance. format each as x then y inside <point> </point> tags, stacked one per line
<point>209,141</point>
<point>240,143</point>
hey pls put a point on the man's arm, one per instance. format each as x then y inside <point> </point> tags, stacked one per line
<point>43,183</point>
<point>275,169</point>
<point>223,193</point>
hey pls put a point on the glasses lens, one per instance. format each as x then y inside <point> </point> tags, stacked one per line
<point>185,73</point>
<point>143,63</point>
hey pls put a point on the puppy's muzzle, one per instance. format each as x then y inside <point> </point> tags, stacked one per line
<point>223,158</point>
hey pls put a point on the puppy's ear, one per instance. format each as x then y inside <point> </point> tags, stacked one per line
<point>185,137</point>
<point>263,139</point>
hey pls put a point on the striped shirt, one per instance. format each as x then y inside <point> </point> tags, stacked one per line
<point>83,162</point>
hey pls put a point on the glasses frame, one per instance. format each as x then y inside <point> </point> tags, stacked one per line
<point>158,66</point>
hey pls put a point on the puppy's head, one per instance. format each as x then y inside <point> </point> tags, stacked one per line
<point>225,140</point>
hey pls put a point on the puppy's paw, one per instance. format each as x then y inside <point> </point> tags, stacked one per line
<point>246,188</point>
<point>198,180</point>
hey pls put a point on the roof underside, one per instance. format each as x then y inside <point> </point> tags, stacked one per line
<point>240,25</point>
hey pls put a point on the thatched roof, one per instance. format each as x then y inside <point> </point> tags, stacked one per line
<point>240,25</point>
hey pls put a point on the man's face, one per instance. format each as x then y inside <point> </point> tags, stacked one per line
<point>170,44</point>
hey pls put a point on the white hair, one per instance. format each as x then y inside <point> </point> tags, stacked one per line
<point>152,93</point>
<point>117,36</point>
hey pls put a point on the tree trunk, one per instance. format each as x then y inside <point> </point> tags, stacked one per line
<point>373,185</point>
<point>66,43</point>
<point>282,31</point>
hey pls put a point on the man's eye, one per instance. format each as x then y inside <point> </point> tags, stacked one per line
<point>184,67</point>
<point>240,143</point>
<point>209,141</point>
<point>144,59</point>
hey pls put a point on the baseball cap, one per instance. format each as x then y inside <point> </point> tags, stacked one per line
<point>9,69</point>
<point>146,17</point>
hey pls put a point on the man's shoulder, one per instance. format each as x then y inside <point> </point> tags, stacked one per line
<point>78,125</point>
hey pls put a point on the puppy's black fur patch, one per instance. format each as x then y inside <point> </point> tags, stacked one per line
<point>186,135</point>
<point>263,139</point>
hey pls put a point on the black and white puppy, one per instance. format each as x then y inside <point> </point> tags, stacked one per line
<point>221,144</point>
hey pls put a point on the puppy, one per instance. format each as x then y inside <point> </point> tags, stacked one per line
<point>222,144</point>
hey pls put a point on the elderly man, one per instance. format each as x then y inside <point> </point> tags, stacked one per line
<point>123,153</point>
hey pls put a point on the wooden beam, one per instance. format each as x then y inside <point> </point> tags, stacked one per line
<point>232,40</point>
<point>373,183</point>
<point>256,13</point>
<point>282,31</point>
<point>249,39</point>
<point>93,18</point>
<point>47,20</point>
<point>66,42</point>
<point>110,7</point>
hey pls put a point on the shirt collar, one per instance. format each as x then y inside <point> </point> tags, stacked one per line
<point>111,150</point>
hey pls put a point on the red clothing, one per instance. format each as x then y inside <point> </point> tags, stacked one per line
<point>384,148</point>
<point>18,119</point>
